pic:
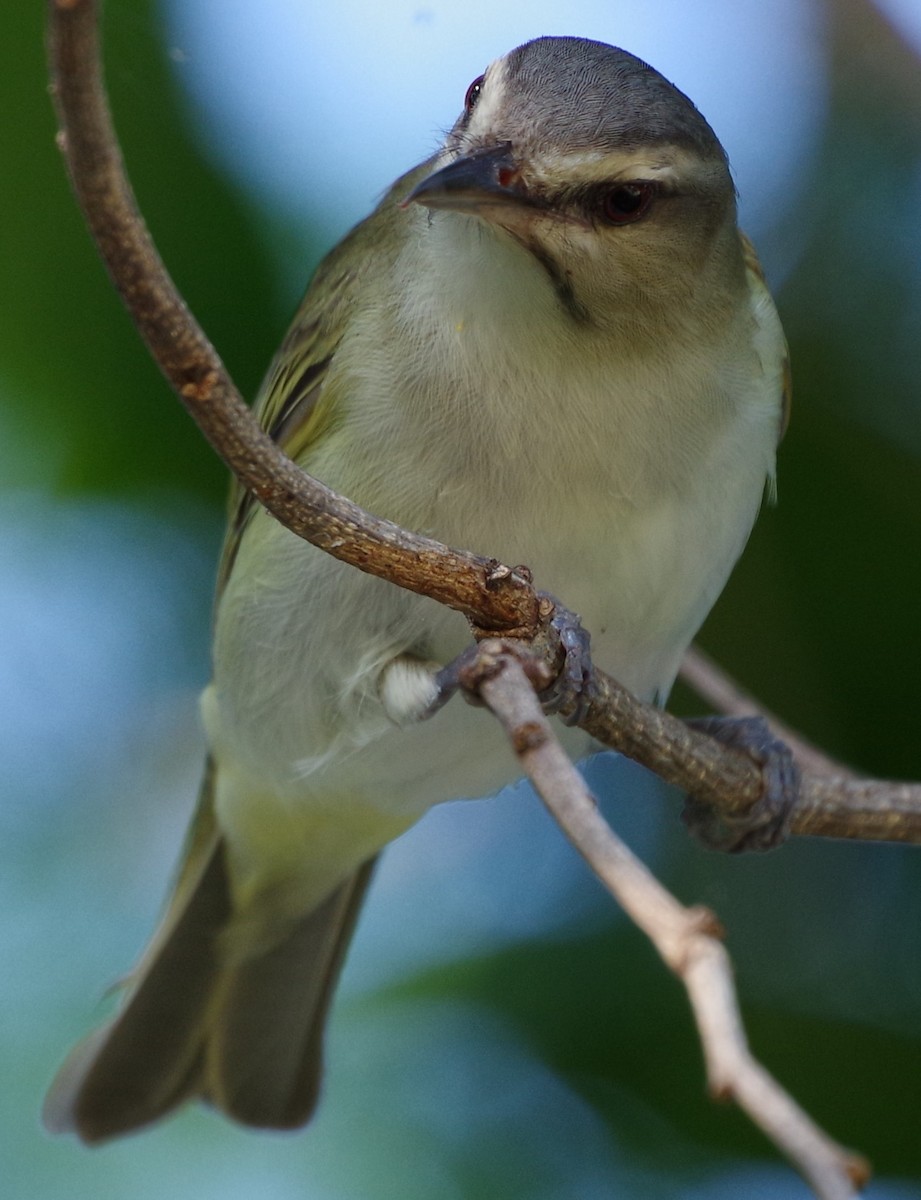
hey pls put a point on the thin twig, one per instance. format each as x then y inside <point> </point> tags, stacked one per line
<point>688,939</point>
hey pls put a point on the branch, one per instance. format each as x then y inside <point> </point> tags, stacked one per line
<point>489,594</point>
<point>732,782</point>
<point>687,939</point>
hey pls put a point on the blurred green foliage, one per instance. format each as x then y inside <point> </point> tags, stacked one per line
<point>821,620</point>
<point>76,376</point>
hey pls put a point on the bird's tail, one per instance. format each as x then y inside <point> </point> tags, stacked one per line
<point>246,1035</point>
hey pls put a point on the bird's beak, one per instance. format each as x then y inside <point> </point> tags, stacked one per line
<point>487,178</point>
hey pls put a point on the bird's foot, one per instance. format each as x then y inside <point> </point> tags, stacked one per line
<point>567,693</point>
<point>767,824</point>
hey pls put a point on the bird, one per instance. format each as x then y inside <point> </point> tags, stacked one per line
<point>549,343</point>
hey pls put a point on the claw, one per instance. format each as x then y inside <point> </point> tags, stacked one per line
<point>767,824</point>
<point>570,689</point>
<point>448,681</point>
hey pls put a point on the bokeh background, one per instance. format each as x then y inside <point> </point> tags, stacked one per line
<point>501,1032</point>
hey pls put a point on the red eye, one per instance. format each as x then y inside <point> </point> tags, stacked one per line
<point>626,202</point>
<point>473,94</point>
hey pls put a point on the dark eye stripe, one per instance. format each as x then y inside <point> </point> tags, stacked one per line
<point>612,203</point>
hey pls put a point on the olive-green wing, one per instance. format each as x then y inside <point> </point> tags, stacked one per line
<point>290,405</point>
<point>293,405</point>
